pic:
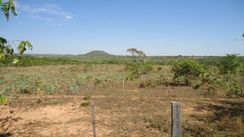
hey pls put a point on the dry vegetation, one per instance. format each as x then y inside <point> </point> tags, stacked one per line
<point>46,101</point>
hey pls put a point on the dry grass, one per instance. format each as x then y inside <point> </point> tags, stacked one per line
<point>131,111</point>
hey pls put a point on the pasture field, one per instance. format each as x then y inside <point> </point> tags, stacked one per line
<point>47,101</point>
<point>190,83</point>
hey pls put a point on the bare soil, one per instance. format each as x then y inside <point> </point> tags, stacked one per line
<point>132,112</point>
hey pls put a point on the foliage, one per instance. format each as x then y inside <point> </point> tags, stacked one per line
<point>7,50</point>
<point>5,47</point>
<point>220,80</point>
<point>55,78</point>
<point>241,68</point>
<point>3,100</point>
<point>214,83</point>
<point>135,52</point>
<point>138,68</point>
<point>208,79</point>
<point>7,7</point>
<point>228,64</point>
<point>187,71</point>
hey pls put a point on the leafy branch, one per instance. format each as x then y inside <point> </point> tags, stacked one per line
<point>5,48</point>
<point>7,7</point>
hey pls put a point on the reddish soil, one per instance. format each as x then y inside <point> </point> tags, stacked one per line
<point>133,114</point>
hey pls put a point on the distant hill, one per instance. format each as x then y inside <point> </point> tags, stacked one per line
<point>97,53</point>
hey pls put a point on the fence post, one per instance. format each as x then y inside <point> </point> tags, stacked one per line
<point>94,119</point>
<point>176,130</point>
<point>123,84</point>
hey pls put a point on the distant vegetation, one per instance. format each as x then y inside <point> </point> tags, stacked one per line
<point>100,57</point>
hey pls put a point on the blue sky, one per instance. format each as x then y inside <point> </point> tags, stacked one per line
<point>158,27</point>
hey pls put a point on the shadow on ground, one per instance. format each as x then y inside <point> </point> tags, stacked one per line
<point>226,118</point>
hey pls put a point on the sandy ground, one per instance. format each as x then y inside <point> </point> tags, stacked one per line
<point>61,119</point>
<point>117,116</point>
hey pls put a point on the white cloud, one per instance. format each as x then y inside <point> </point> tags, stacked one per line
<point>46,12</point>
<point>68,18</point>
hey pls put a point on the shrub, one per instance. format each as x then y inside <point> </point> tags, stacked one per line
<point>3,100</point>
<point>73,88</point>
<point>138,68</point>
<point>214,83</point>
<point>86,101</point>
<point>240,69</point>
<point>186,72</point>
<point>228,64</point>
<point>232,88</point>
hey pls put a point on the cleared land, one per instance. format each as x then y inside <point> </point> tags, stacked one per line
<point>46,101</point>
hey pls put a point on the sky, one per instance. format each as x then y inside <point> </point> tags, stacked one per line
<point>157,27</point>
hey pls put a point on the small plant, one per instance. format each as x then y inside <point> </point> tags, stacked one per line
<point>86,101</point>
<point>3,100</point>
<point>97,81</point>
<point>73,89</point>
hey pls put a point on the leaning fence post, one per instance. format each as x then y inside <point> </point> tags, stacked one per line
<point>94,119</point>
<point>176,130</point>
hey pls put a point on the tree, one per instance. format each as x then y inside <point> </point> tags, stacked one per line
<point>135,52</point>
<point>5,48</point>
<point>138,67</point>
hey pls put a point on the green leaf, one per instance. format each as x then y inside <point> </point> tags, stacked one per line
<point>2,56</point>
<point>7,6</point>
<point>15,61</point>
<point>3,40</point>
<point>22,46</point>
<point>0,2</point>
<point>12,6</point>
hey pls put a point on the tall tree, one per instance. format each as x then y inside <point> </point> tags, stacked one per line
<point>5,48</point>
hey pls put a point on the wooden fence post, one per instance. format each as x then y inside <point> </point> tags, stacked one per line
<point>176,130</point>
<point>94,119</point>
<point>123,84</point>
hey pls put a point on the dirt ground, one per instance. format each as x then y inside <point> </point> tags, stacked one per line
<point>132,113</point>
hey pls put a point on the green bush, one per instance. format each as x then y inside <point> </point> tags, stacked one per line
<point>214,83</point>
<point>240,69</point>
<point>138,68</point>
<point>232,88</point>
<point>229,64</point>
<point>187,71</point>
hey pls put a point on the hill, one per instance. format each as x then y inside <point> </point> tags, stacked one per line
<point>97,53</point>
